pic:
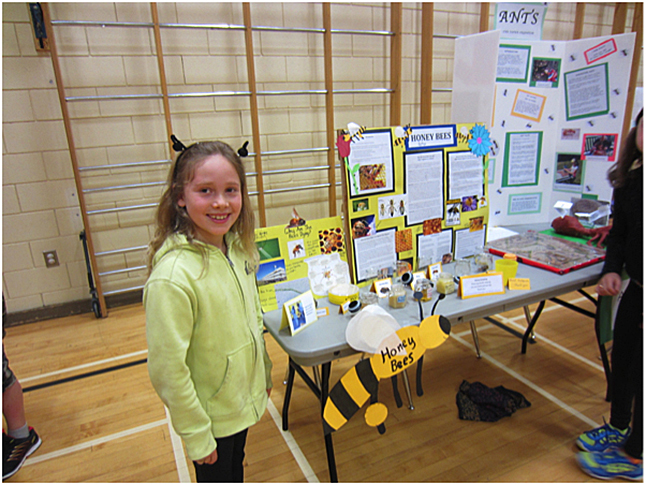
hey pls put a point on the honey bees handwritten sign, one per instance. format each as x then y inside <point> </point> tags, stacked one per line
<point>414,193</point>
<point>299,257</point>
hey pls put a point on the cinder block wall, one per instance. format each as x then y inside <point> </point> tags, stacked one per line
<point>40,201</point>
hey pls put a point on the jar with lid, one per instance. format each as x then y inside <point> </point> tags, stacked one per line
<point>483,260</point>
<point>424,287</point>
<point>445,284</point>
<point>397,296</point>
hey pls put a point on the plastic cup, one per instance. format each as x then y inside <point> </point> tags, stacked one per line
<point>508,267</point>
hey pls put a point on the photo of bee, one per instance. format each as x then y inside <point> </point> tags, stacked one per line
<point>476,224</point>
<point>296,220</point>
<point>361,382</point>
<point>372,176</point>
<point>453,212</point>
<point>296,249</point>
<point>360,205</point>
<point>363,227</point>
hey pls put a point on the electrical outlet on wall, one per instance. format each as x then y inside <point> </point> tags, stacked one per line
<point>51,258</point>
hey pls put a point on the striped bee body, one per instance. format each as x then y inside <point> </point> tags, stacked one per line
<point>349,394</point>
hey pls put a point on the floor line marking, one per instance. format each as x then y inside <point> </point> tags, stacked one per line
<point>83,366</point>
<point>531,385</point>
<point>302,462</point>
<point>544,339</point>
<point>32,460</point>
<point>178,451</point>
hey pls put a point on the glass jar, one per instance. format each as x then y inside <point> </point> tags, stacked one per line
<point>368,298</point>
<point>462,267</point>
<point>401,268</point>
<point>445,284</point>
<point>397,296</point>
<point>483,261</point>
<point>424,287</point>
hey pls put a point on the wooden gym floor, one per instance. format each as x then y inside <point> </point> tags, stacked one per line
<point>88,395</point>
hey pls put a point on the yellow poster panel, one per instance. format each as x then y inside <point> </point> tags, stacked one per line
<point>298,258</point>
<point>417,194</point>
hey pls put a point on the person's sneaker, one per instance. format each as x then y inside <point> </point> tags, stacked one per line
<point>610,465</point>
<point>603,438</point>
<point>15,451</point>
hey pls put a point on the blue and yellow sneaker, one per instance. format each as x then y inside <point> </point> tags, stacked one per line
<point>603,438</point>
<point>610,465</point>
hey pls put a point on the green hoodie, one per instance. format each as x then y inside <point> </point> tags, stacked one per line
<point>206,352</point>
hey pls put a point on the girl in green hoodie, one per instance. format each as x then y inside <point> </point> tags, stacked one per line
<point>206,352</point>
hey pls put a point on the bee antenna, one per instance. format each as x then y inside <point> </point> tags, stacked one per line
<point>242,151</point>
<point>178,146</point>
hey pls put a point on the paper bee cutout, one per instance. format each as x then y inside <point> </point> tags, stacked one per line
<point>361,382</point>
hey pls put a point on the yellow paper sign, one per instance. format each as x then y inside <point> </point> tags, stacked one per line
<point>519,284</point>
<point>433,271</point>
<point>382,287</point>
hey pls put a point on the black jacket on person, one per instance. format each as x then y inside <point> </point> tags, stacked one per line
<point>625,242</point>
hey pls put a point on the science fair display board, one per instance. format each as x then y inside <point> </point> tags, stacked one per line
<point>555,111</point>
<point>417,194</point>
<point>299,257</point>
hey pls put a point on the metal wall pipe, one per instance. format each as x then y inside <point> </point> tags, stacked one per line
<point>212,94</point>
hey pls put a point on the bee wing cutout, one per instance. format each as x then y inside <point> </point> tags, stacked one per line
<point>368,330</point>
<point>353,128</point>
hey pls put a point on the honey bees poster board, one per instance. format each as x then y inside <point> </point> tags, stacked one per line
<point>556,112</point>
<point>299,257</point>
<point>417,194</point>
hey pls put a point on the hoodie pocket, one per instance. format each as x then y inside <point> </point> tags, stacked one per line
<point>234,393</point>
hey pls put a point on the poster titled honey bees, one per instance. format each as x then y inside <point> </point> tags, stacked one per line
<point>413,193</point>
<point>298,257</point>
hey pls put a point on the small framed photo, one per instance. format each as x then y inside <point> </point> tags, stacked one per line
<point>299,312</point>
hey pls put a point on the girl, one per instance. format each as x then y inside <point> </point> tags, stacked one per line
<point>206,353</point>
<point>614,450</point>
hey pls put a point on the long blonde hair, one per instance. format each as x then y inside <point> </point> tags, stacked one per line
<point>173,219</point>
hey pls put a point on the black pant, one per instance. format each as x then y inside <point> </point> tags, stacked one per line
<point>228,468</point>
<point>627,369</point>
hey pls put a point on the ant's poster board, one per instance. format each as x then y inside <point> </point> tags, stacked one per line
<point>416,193</point>
<point>299,257</point>
<point>556,117</point>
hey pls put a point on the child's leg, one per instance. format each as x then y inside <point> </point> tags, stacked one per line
<point>229,466</point>
<point>13,405</point>
<point>626,356</point>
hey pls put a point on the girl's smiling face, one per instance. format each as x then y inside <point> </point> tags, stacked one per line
<point>213,199</point>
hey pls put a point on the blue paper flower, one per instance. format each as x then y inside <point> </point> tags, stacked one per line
<point>480,142</point>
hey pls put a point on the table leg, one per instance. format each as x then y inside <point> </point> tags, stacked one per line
<point>398,398</point>
<point>528,318</point>
<point>474,334</point>
<point>407,389</point>
<point>288,394</point>
<point>317,375</point>
<point>530,327</point>
<point>420,365</point>
<point>286,375</point>
<point>329,447</point>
